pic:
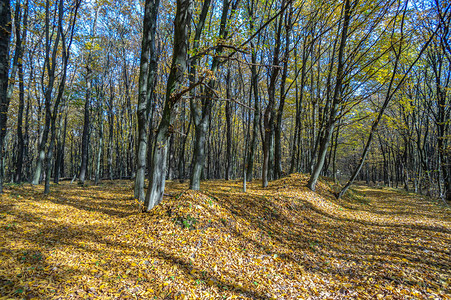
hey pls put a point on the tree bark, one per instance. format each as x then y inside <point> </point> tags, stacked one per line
<point>269,115</point>
<point>60,147</point>
<point>100,147</point>
<point>174,92</point>
<point>21,40</point>
<point>5,34</point>
<point>86,126</point>
<point>254,93</point>
<point>201,112</point>
<point>147,81</point>
<point>278,170</point>
<point>228,111</point>
<point>110,132</point>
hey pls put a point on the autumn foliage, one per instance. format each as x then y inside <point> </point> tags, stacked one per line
<point>283,242</point>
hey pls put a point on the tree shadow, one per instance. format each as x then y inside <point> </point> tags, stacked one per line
<point>83,198</point>
<point>52,235</point>
<point>322,243</point>
<point>394,203</point>
<point>366,240</point>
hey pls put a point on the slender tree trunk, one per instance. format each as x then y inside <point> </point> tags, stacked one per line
<point>20,136</point>
<point>49,158</point>
<point>86,117</point>
<point>256,123</point>
<point>86,126</point>
<point>147,81</point>
<point>5,34</point>
<point>278,170</point>
<point>269,115</point>
<point>254,92</point>
<point>59,141</point>
<point>228,110</point>
<point>295,159</point>
<point>110,132</point>
<point>17,64</point>
<point>50,69</point>
<point>170,171</point>
<point>181,163</point>
<point>41,150</point>
<point>59,164</point>
<point>199,154</point>
<point>26,136</point>
<point>202,113</point>
<point>334,158</point>
<point>100,148</point>
<point>196,172</point>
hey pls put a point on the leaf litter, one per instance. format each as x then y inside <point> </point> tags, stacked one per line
<point>281,242</point>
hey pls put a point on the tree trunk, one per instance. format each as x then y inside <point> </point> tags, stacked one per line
<point>86,125</point>
<point>100,148</point>
<point>295,159</point>
<point>269,115</point>
<point>254,92</point>
<point>198,155</point>
<point>201,112</point>
<point>181,163</point>
<point>110,132</point>
<point>278,125</point>
<point>256,122</point>
<point>174,92</point>
<point>147,82</point>
<point>26,135</point>
<point>228,111</point>
<point>20,136</point>
<point>50,157</point>
<point>59,164</point>
<point>5,34</point>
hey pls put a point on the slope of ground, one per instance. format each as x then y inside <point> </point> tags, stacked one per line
<point>282,242</point>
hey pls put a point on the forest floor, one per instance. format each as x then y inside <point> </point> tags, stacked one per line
<point>282,242</point>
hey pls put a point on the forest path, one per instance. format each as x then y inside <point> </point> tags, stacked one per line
<point>280,242</point>
<point>401,203</point>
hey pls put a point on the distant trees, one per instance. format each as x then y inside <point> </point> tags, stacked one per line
<point>228,89</point>
<point>63,40</point>
<point>202,107</point>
